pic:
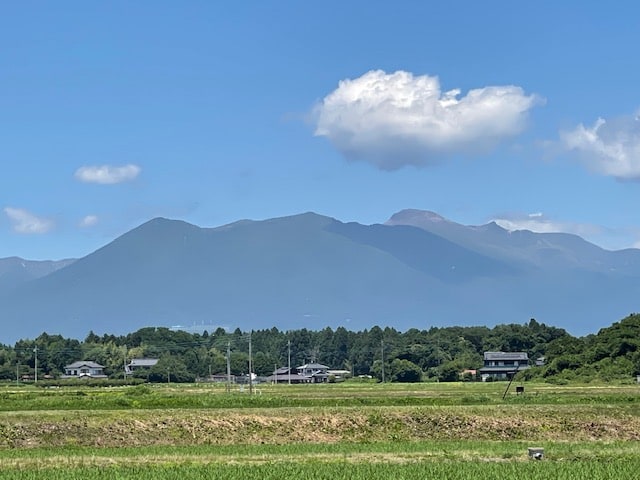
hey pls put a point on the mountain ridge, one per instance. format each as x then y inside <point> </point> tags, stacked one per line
<point>418,269</point>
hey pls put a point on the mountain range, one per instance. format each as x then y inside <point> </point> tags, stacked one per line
<point>418,269</point>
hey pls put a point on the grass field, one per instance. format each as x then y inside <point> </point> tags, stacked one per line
<point>319,432</point>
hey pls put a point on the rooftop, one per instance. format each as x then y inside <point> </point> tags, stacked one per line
<point>506,356</point>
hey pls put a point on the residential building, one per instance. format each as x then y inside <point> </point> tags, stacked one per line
<point>339,375</point>
<point>139,364</point>
<point>317,372</point>
<point>84,369</point>
<point>308,373</point>
<point>284,375</point>
<point>503,365</point>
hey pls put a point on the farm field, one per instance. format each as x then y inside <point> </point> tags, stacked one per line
<point>349,430</point>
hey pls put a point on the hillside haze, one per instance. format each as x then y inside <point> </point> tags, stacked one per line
<point>15,271</point>
<point>310,271</point>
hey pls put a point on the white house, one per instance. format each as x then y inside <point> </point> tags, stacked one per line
<point>84,369</point>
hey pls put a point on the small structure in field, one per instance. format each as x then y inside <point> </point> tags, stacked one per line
<point>537,453</point>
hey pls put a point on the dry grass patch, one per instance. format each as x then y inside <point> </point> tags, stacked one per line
<point>284,426</point>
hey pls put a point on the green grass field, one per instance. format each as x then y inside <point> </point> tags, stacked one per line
<point>351,430</point>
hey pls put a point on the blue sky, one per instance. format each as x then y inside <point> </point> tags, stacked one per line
<point>112,113</point>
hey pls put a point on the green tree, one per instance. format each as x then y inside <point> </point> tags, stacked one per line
<point>170,368</point>
<point>405,371</point>
<point>449,372</point>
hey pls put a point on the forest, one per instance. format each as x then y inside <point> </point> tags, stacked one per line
<point>436,354</point>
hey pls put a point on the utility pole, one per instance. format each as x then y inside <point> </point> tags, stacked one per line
<point>17,373</point>
<point>35,351</point>
<point>228,367</point>
<point>125,362</point>
<point>438,360</point>
<point>289,359</point>
<point>250,368</point>
<point>382,350</point>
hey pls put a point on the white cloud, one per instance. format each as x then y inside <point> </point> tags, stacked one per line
<point>610,147</point>
<point>107,174</point>
<point>398,119</point>
<point>615,238</point>
<point>539,223</point>
<point>26,222</point>
<point>88,221</point>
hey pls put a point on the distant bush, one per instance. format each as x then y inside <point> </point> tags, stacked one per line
<point>89,382</point>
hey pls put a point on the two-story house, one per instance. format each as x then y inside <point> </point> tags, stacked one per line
<point>316,372</point>
<point>503,365</point>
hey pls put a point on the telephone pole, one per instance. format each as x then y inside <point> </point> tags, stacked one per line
<point>125,362</point>
<point>35,351</point>
<point>228,367</point>
<point>289,359</point>
<point>250,368</point>
<point>382,350</point>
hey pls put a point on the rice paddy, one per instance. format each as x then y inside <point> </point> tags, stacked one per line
<point>353,431</point>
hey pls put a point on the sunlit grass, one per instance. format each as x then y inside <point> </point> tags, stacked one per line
<point>349,430</point>
<point>403,460</point>
<point>327,395</point>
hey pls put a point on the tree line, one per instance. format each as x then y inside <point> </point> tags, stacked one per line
<point>437,353</point>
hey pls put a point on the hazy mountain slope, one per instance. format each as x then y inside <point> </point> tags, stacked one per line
<point>15,271</point>
<point>288,272</point>
<point>313,271</point>
<point>547,250</point>
<point>431,254</point>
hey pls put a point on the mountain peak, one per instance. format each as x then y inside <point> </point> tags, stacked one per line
<point>412,216</point>
<point>491,227</point>
<point>279,271</point>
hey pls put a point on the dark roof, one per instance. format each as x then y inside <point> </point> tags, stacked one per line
<point>281,371</point>
<point>143,362</point>
<point>84,363</point>
<point>506,356</point>
<point>314,366</point>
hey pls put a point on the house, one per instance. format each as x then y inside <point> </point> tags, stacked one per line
<point>308,373</point>
<point>285,375</point>
<point>84,369</point>
<point>503,365</point>
<point>317,372</point>
<point>339,375</point>
<point>139,364</point>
